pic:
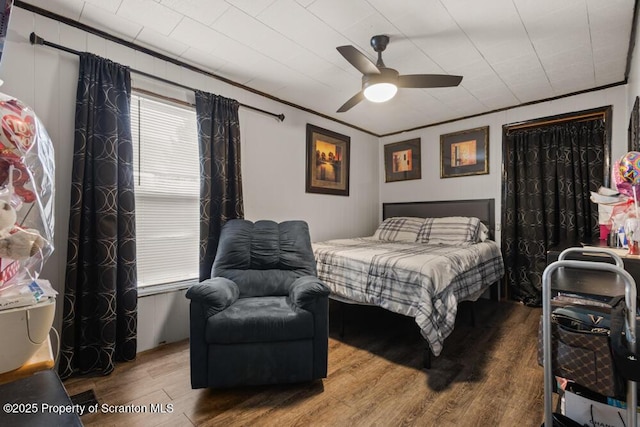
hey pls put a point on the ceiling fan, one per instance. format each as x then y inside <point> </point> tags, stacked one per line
<point>379,82</point>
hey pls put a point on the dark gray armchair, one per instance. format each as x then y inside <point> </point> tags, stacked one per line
<point>263,316</point>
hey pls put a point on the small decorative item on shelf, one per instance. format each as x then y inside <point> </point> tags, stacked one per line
<point>632,232</point>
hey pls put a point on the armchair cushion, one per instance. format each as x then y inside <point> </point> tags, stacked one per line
<point>306,290</point>
<point>214,294</point>
<point>259,319</point>
<point>264,258</point>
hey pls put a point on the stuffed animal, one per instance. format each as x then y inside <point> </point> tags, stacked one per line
<point>16,243</point>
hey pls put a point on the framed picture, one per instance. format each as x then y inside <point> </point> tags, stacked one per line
<point>464,153</point>
<point>327,162</point>
<point>633,132</point>
<point>402,160</point>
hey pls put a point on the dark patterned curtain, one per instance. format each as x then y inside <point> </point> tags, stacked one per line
<point>100,300</point>
<point>220,177</point>
<point>549,173</point>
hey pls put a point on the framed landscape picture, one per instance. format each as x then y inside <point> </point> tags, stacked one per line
<point>633,143</point>
<point>464,153</point>
<point>327,170</point>
<point>402,160</point>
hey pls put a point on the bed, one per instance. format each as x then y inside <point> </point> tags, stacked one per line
<point>453,260</point>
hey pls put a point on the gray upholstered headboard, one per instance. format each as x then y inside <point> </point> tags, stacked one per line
<point>484,209</point>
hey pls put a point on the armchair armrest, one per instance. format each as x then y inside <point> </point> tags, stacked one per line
<point>306,290</point>
<point>214,294</point>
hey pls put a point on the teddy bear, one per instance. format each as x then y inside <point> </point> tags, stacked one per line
<point>16,243</point>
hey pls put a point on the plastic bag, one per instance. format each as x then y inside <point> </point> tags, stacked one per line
<point>27,180</point>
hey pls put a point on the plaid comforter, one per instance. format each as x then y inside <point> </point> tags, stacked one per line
<point>414,279</point>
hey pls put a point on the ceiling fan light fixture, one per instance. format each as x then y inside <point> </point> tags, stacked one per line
<point>380,92</point>
<point>379,82</point>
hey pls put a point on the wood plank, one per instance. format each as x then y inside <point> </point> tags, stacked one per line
<point>137,412</point>
<point>486,375</point>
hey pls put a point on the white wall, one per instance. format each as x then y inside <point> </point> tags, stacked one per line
<point>273,173</point>
<point>633,83</point>
<point>432,187</point>
<point>273,153</point>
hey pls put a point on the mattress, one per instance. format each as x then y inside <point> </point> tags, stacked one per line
<point>424,281</point>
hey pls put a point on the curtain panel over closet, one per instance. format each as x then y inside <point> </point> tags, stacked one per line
<point>549,172</point>
<point>100,300</point>
<point>220,176</point>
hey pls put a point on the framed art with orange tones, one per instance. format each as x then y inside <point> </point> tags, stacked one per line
<point>402,160</point>
<point>464,153</point>
<point>327,162</point>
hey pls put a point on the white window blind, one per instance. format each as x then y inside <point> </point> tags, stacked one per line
<point>167,186</point>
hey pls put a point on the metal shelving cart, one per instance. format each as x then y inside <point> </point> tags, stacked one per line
<point>630,300</point>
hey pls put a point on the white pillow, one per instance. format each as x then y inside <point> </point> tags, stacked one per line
<point>399,229</point>
<point>453,230</point>
<point>483,233</point>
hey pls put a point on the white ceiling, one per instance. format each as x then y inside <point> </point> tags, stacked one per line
<point>509,51</point>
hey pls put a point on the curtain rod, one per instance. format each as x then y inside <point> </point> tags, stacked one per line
<point>581,117</point>
<point>35,39</point>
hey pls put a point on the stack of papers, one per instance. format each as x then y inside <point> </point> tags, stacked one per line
<point>26,294</point>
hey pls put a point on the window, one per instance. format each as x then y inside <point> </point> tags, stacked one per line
<point>167,191</point>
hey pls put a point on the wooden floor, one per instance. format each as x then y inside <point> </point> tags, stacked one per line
<point>487,375</point>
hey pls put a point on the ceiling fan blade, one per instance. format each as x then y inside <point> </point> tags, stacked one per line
<point>358,60</point>
<point>428,80</point>
<point>351,102</point>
